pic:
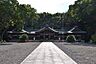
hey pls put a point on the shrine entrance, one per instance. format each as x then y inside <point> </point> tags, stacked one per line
<point>46,34</point>
<point>49,34</point>
<point>47,37</point>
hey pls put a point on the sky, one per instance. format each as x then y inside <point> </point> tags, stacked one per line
<point>50,6</point>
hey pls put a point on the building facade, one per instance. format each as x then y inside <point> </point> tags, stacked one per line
<point>49,34</point>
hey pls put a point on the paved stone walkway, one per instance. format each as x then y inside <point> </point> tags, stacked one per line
<point>48,53</point>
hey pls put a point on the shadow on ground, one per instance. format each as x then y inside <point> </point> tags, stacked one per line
<point>5,44</point>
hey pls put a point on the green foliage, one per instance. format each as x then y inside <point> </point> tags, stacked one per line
<point>23,37</point>
<point>14,16</point>
<point>53,20</point>
<point>94,38</point>
<point>83,13</point>
<point>28,15</point>
<point>70,38</point>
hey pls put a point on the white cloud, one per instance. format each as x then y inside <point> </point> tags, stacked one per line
<point>51,6</point>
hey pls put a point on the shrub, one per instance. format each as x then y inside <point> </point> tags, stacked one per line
<point>70,38</point>
<point>23,37</point>
<point>93,38</point>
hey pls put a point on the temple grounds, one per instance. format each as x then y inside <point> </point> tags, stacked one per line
<point>15,53</point>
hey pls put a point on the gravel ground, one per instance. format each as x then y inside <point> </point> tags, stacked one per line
<point>81,53</point>
<point>15,53</point>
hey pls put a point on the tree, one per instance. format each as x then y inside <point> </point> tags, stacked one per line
<point>14,16</point>
<point>28,15</point>
<point>83,13</point>
<point>8,9</point>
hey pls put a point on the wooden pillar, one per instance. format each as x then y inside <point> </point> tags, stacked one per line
<point>44,37</point>
<point>49,37</point>
<point>59,38</point>
<point>34,38</point>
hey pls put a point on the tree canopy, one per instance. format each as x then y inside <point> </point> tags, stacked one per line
<point>15,16</point>
<point>83,12</point>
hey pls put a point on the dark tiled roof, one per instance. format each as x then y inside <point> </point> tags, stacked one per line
<point>60,31</point>
<point>76,29</point>
<point>46,28</point>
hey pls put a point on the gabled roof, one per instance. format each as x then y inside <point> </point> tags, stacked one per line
<point>24,31</point>
<point>76,29</point>
<point>47,28</point>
